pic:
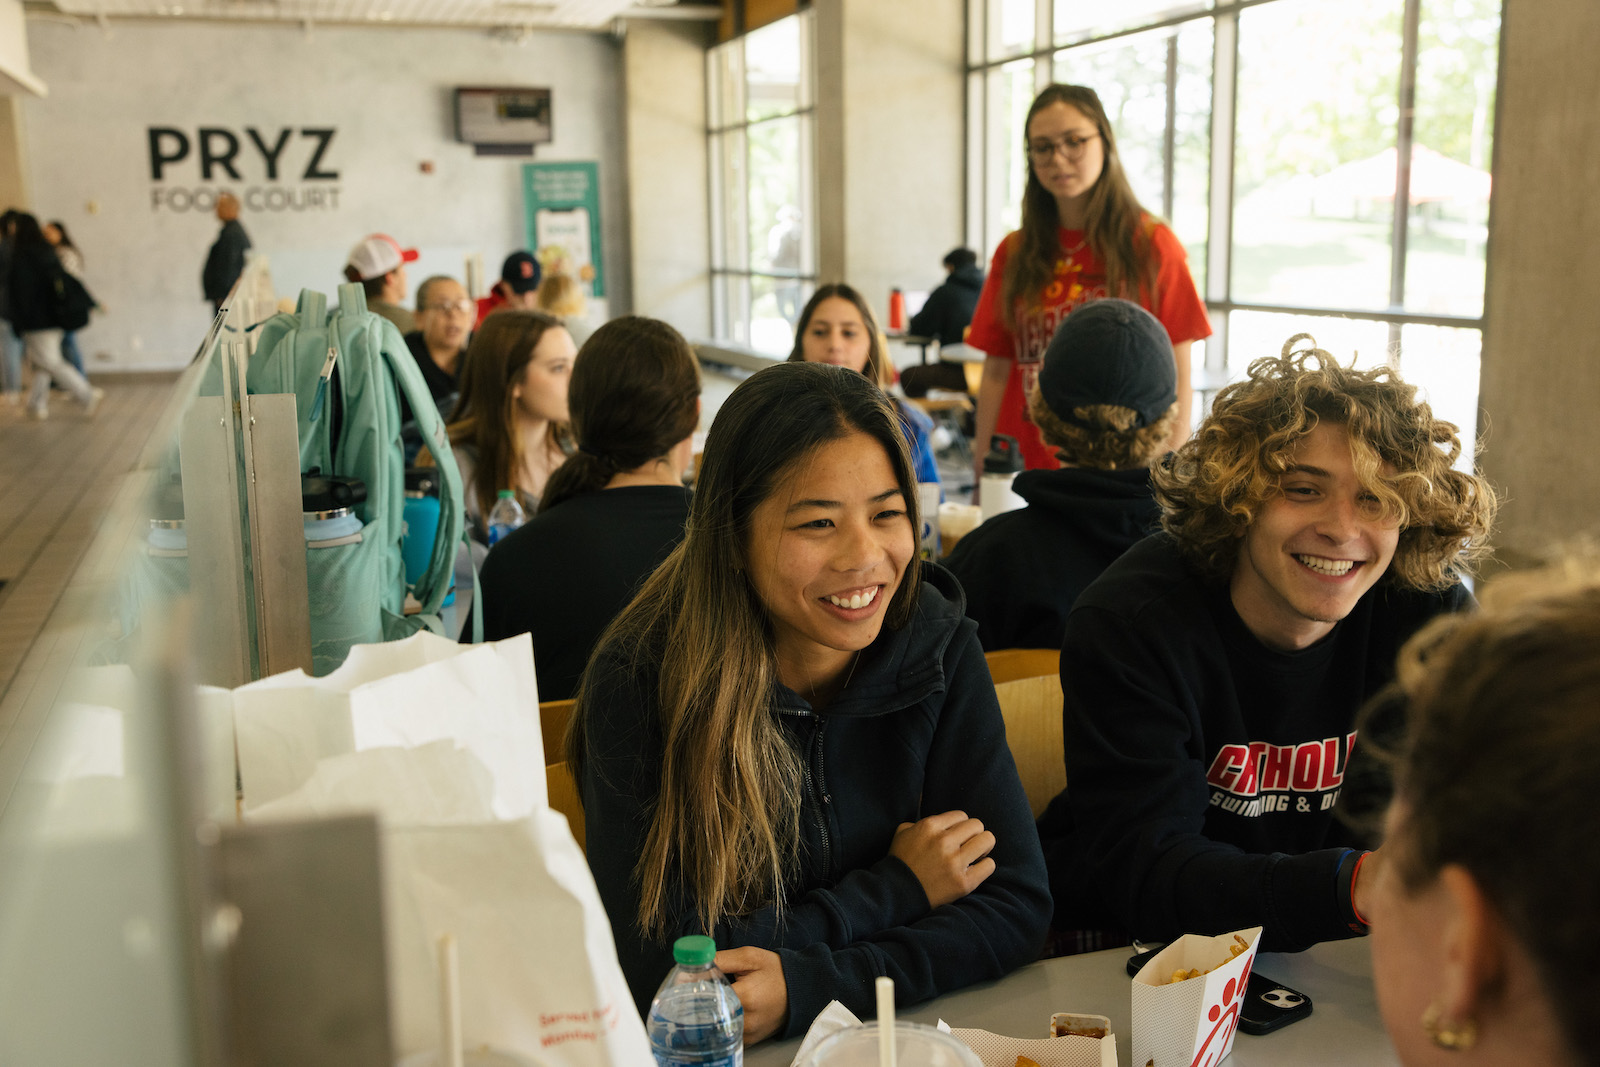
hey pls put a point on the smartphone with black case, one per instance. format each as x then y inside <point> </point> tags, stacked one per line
<point>1268,1005</point>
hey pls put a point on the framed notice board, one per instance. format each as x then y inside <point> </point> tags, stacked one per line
<point>561,202</point>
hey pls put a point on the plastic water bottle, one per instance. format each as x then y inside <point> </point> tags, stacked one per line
<point>696,1017</point>
<point>506,516</point>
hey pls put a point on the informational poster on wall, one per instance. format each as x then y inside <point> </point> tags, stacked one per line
<point>562,201</point>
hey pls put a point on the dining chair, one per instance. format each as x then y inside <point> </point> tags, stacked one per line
<point>563,790</point>
<point>1029,690</point>
<point>553,718</point>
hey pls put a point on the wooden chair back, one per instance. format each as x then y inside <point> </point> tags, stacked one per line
<point>553,718</point>
<point>564,797</point>
<point>1007,664</point>
<point>1028,686</point>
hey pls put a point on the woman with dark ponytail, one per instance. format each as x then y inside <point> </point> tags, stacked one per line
<point>612,512</point>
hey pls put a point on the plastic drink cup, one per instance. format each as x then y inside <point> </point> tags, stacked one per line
<point>916,1045</point>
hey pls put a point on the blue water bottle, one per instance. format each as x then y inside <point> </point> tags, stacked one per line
<point>421,518</point>
<point>696,1017</point>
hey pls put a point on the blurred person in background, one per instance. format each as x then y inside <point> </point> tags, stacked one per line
<point>509,429</point>
<point>225,261</point>
<point>36,293</point>
<point>10,339</point>
<point>518,287</point>
<point>378,263</point>
<point>439,345</point>
<point>1485,902</point>
<point>837,326</point>
<point>945,317</point>
<point>71,259</point>
<point>562,296</point>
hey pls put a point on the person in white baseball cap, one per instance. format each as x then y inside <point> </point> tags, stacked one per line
<point>379,264</point>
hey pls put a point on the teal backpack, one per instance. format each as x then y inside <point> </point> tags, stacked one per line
<point>347,370</point>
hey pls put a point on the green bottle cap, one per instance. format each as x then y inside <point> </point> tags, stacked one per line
<point>696,950</point>
<point>506,492</point>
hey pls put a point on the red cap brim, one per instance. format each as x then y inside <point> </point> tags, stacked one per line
<point>409,255</point>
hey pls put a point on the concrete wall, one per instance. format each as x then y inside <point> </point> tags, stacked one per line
<point>1541,360</point>
<point>668,200</point>
<point>890,141</point>
<point>89,160</point>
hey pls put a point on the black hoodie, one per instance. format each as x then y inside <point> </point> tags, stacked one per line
<point>949,307</point>
<point>915,731</point>
<point>1023,569</point>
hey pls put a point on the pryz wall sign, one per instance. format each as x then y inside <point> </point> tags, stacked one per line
<point>226,162</point>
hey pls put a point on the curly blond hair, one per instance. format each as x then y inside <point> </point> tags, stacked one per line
<point>1215,485</point>
<point>1111,442</point>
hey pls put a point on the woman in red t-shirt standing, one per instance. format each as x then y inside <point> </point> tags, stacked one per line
<point>1084,237</point>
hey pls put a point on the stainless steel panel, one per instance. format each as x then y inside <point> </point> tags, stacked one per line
<point>277,534</point>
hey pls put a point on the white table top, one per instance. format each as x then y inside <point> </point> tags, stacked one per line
<point>1343,1028</point>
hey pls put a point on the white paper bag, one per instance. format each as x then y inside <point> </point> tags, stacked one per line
<point>539,976</point>
<point>1191,1023</point>
<point>401,694</point>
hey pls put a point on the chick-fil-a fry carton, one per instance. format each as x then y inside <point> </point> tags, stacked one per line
<point>1190,1023</point>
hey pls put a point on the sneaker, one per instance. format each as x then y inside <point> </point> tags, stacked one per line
<point>95,396</point>
<point>38,414</point>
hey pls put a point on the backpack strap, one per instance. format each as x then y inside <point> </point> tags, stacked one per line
<point>352,299</point>
<point>434,583</point>
<point>312,308</point>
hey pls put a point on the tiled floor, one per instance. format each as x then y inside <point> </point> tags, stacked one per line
<point>57,479</point>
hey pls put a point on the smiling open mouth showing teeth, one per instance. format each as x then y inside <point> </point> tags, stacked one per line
<point>1332,567</point>
<point>857,600</point>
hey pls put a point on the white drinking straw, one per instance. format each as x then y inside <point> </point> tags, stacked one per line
<point>449,1003</point>
<point>885,987</point>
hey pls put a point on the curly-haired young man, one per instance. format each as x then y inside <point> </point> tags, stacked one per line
<point>1212,675</point>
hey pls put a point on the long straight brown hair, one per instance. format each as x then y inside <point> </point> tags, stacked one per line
<point>485,416</point>
<point>1114,223</point>
<point>725,826</point>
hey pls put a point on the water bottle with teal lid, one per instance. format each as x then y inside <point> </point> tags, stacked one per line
<point>421,518</point>
<point>696,1017</point>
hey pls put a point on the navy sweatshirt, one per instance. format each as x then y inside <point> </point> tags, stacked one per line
<point>1023,570</point>
<point>916,731</point>
<point>1203,766</point>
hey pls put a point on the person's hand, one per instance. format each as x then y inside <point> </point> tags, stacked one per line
<point>948,852</point>
<point>1366,883</point>
<point>758,979</point>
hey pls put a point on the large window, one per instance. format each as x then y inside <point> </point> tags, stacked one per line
<point>1325,162</point>
<point>763,252</point>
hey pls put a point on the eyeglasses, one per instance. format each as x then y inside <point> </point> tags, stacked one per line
<point>1070,146</point>
<point>460,307</point>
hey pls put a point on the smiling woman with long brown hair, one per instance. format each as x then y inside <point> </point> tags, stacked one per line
<point>790,740</point>
<point>1084,237</point>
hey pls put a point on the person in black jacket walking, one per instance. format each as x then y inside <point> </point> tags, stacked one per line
<point>225,261</point>
<point>790,740</point>
<point>1107,399</point>
<point>36,288</point>
<point>10,341</point>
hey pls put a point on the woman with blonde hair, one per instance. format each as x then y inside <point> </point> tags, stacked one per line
<point>562,296</point>
<point>1084,237</point>
<point>1483,912</point>
<point>509,428</point>
<point>789,739</point>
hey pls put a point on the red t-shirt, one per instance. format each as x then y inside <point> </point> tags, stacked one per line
<point>1080,278</point>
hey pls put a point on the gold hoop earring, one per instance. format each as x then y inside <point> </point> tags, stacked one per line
<point>1452,1037</point>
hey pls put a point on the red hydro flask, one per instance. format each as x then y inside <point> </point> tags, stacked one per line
<point>897,311</point>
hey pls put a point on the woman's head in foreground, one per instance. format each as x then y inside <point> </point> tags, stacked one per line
<point>1486,919</point>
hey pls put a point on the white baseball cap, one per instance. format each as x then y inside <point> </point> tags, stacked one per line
<point>379,254</point>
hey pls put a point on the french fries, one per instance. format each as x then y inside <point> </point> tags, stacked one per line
<point>1239,945</point>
